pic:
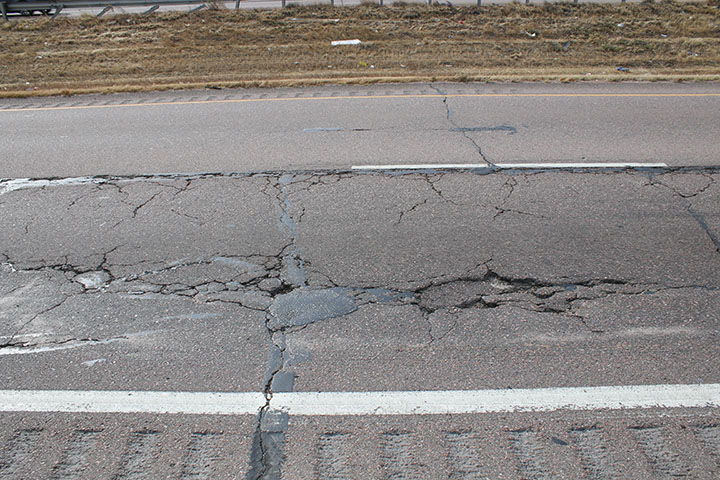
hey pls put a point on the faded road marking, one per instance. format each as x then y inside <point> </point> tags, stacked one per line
<point>10,185</point>
<point>63,345</point>
<point>22,348</point>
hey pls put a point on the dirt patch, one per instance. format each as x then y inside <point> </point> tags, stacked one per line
<point>292,46</point>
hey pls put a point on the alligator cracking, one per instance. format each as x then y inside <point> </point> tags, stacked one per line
<point>277,284</point>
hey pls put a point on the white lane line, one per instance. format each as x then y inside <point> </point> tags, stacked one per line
<point>497,401</point>
<point>443,166</point>
<point>581,165</point>
<point>366,403</point>
<point>505,166</point>
<point>73,401</point>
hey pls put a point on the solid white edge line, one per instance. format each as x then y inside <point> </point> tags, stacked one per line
<point>364,403</point>
<point>72,401</point>
<point>505,166</point>
<point>497,401</point>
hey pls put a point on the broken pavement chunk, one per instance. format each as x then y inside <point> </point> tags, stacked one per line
<point>270,285</point>
<point>93,280</point>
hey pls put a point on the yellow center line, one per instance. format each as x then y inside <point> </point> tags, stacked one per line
<point>371,97</point>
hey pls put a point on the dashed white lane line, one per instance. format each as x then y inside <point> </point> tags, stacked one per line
<point>506,166</point>
<point>365,403</point>
<point>439,166</point>
<point>580,165</point>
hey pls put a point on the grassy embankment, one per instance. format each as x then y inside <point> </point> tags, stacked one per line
<point>401,43</point>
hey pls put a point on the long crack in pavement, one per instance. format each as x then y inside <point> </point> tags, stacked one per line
<point>465,131</point>
<point>701,183</point>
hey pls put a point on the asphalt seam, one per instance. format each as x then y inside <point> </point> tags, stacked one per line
<point>30,108</point>
<point>11,184</point>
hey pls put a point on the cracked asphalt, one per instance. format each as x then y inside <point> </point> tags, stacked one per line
<point>334,280</point>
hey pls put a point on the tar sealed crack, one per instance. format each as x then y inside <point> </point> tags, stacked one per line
<point>290,312</point>
<point>465,131</point>
<point>703,224</point>
<point>291,308</point>
<point>294,268</point>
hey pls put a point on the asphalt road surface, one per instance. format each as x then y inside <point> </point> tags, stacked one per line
<point>337,127</point>
<point>308,320</point>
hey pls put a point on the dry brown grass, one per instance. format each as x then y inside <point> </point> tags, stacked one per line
<point>551,42</point>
